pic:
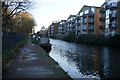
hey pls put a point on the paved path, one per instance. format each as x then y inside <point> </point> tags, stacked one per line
<point>34,62</point>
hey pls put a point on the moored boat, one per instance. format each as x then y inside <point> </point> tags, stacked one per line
<point>45,44</point>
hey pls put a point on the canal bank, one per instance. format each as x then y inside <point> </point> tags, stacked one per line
<point>91,39</point>
<point>33,62</point>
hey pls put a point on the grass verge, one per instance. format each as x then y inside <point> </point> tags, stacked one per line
<point>9,55</point>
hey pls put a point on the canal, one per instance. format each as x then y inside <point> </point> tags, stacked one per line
<point>84,61</point>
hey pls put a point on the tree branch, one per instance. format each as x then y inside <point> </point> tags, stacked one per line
<point>11,12</point>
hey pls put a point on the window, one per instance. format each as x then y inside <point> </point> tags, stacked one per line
<point>107,13</point>
<point>86,12</point>
<point>85,20</point>
<point>93,10</point>
<point>81,13</point>
<point>107,23</point>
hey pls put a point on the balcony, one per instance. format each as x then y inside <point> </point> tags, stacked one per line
<point>70,25</point>
<point>73,21</point>
<point>91,28</point>
<point>69,22</point>
<point>84,28</point>
<point>102,19</point>
<point>113,15</point>
<point>78,29</point>
<point>113,26</point>
<point>102,10</point>
<point>91,14</point>
<point>102,27</point>
<point>84,15</point>
<point>113,5</point>
<point>73,25</point>
<point>78,18</point>
<point>91,21</point>
<point>72,30</point>
<point>84,22</point>
<point>78,24</point>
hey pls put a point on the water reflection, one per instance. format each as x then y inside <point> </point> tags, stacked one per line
<point>81,61</point>
<point>106,62</point>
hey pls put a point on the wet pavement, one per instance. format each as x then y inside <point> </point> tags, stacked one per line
<point>34,62</point>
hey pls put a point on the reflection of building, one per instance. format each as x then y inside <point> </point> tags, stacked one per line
<point>87,20</point>
<point>110,17</point>
<point>118,17</point>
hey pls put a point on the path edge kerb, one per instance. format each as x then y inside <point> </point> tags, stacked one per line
<point>54,65</point>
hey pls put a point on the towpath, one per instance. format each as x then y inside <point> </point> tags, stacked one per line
<point>33,62</point>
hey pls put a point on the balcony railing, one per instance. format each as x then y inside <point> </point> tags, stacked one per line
<point>102,19</point>
<point>84,22</point>
<point>84,28</point>
<point>73,25</point>
<point>78,24</point>
<point>78,29</point>
<point>73,21</point>
<point>91,21</point>
<point>84,15</point>
<point>113,26</point>
<point>72,30</point>
<point>102,27</point>
<point>91,28</point>
<point>113,15</point>
<point>91,14</point>
<point>112,5</point>
<point>102,10</point>
<point>78,18</point>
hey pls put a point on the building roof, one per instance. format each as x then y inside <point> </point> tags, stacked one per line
<point>71,16</point>
<point>86,7</point>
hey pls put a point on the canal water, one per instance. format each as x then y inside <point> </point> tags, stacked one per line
<point>84,61</point>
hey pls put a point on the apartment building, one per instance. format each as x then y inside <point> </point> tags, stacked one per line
<point>49,30</point>
<point>53,29</point>
<point>70,25</point>
<point>61,28</point>
<point>110,18</point>
<point>102,19</point>
<point>87,20</point>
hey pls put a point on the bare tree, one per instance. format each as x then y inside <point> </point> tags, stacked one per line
<point>10,9</point>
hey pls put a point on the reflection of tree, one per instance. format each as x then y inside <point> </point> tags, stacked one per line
<point>72,58</point>
<point>97,60</point>
<point>114,62</point>
<point>86,61</point>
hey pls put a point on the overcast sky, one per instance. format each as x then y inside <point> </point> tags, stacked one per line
<point>46,11</point>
